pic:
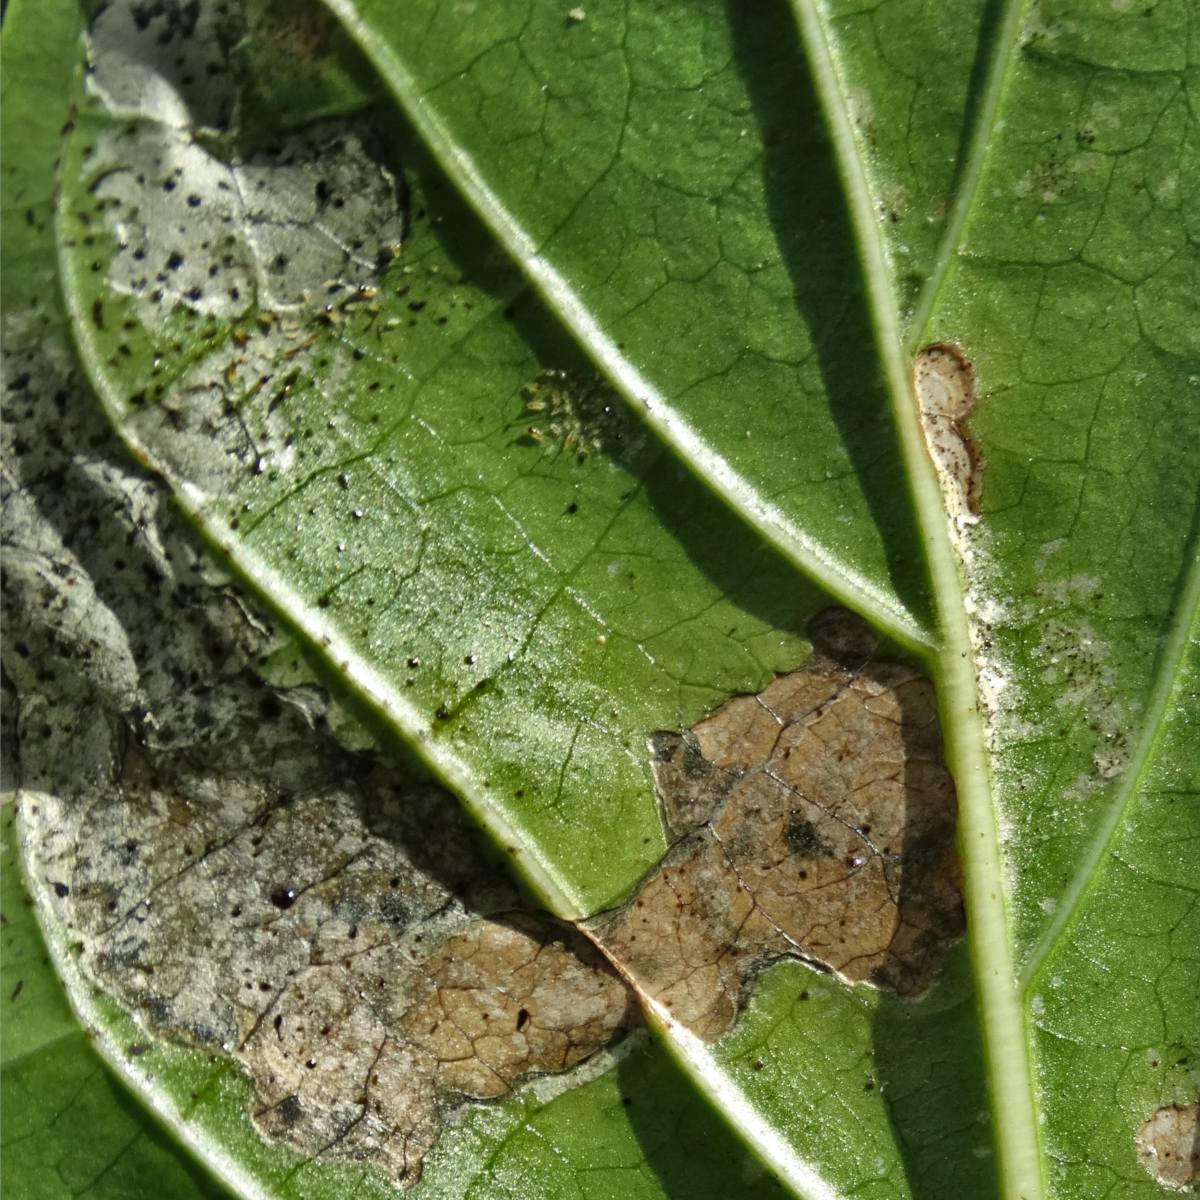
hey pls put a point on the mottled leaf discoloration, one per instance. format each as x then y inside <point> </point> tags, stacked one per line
<point>229,872</point>
<point>815,821</point>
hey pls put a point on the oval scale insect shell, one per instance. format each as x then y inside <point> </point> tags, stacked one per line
<point>945,388</point>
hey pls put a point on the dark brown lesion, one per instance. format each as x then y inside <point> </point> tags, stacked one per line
<point>814,820</point>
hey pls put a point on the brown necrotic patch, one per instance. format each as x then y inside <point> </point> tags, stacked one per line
<point>814,820</point>
<point>344,939</point>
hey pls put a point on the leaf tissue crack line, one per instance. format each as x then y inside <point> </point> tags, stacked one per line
<point>1005,1032</point>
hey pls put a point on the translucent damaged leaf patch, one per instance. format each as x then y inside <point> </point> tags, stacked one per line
<point>298,223</point>
<point>230,873</point>
<point>200,224</point>
<point>1168,1145</point>
<point>815,821</point>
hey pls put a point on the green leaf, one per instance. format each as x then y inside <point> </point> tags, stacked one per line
<point>749,220</point>
<point>661,1138</point>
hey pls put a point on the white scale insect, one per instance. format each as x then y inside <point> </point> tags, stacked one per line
<point>945,387</point>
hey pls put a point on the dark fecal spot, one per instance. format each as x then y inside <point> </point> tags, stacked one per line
<point>803,839</point>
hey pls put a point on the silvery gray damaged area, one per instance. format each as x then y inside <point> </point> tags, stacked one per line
<point>293,223</point>
<point>280,227</point>
<point>168,59</point>
<point>229,871</point>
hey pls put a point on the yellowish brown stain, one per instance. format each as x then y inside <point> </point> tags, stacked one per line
<point>814,820</point>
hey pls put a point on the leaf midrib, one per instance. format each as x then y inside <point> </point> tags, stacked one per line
<point>1005,1033</point>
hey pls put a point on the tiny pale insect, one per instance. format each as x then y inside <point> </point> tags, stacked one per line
<point>945,388</point>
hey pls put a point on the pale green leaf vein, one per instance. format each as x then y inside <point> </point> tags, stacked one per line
<point>1168,673</point>
<point>1005,1032</point>
<point>1004,45</point>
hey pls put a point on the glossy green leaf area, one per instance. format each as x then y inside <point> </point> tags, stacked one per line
<point>684,554</point>
<point>528,611</point>
<point>896,1106</point>
<point>664,173</point>
<point>1131,956</point>
<point>648,602</point>
<point>1056,246</point>
<point>662,176</point>
<point>69,1128</point>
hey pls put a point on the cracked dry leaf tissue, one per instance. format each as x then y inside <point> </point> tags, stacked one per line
<point>226,870</point>
<point>814,821</point>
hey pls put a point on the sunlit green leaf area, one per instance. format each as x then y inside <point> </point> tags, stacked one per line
<point>600,602</point>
